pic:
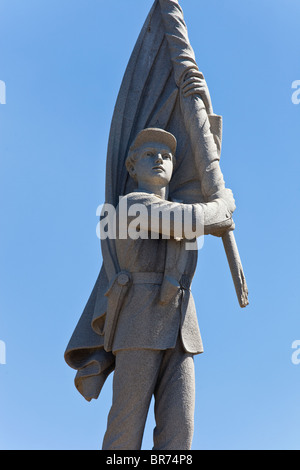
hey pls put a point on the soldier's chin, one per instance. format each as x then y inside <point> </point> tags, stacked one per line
<point>162,179</point>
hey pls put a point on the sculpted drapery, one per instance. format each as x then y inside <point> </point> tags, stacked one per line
<point>149,97</point>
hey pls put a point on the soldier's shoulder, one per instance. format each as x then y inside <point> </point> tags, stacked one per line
<point>138,196</point>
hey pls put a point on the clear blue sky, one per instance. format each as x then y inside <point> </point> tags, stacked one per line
<point>63,62</point>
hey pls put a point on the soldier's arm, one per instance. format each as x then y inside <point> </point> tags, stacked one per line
<point>170,218</point>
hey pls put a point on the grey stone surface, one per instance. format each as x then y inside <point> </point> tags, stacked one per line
<point>153,372</point>
<point>150,337</point>
<point>140,321</point>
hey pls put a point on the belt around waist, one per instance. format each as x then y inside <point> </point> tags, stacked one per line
<point>157,278</point>
<point>147,278</point>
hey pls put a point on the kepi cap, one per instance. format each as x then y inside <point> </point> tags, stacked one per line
<point>153,134</point>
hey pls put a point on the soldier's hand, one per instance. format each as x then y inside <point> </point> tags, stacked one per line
<point>194,84</point>
<point>227,197</point>
<point>220,231</point>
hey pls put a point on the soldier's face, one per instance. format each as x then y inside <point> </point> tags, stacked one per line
<point>154,164</point>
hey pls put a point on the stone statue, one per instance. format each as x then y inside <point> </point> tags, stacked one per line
<point>163,162</point>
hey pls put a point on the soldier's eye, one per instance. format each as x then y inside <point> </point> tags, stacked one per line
<point>167,156</point>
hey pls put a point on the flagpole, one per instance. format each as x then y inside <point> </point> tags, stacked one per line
<point>197,123</point>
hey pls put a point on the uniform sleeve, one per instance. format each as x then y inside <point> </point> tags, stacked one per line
<point>193,109</point>
<point>149,213</point>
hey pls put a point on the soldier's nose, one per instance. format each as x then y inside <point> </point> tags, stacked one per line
<point>159,158</point>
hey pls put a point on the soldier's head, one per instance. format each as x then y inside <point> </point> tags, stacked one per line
<point>151,157</point>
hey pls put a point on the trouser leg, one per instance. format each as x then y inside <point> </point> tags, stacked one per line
<point>134,381</point>
<point>175,401</point>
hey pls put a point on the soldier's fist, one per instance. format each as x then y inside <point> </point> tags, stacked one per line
<point>194,84</point>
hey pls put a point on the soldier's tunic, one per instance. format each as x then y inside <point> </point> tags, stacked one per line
<point>153,342</point>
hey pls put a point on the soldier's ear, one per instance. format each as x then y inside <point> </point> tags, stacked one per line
<point>132,171</point>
